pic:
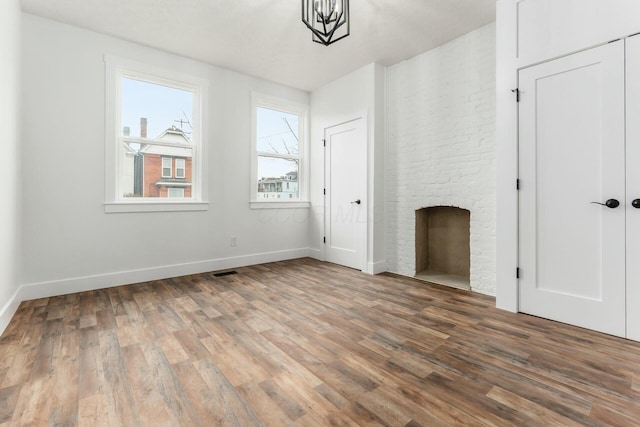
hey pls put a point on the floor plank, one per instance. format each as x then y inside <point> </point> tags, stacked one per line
<point>302,343</point>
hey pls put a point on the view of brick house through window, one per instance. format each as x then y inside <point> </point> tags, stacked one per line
<point>152,170</point>
<point>157,165</point>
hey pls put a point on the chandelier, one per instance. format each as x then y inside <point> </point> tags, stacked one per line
<point>328,20</point>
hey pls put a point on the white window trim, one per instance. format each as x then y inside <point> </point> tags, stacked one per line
<point>170,167</point>
<point>292,107</point>
<point>183,168</point>
<point>115,68</point>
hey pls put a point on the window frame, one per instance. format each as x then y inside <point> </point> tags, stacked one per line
<point>170,159</point>
<point>178,160</point>
<point>259,100</point>
<point>175,188</point>
<point>115,69</point>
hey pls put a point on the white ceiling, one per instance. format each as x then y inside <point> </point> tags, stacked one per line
<point>266,38</point>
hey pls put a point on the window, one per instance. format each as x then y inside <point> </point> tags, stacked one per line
<point>279,144</point>
<point>166,167</point>
<point>180,171</point>
<point>175,192</point>
<point>154,119</point>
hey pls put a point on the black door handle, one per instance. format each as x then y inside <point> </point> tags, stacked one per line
<point>357,202</point>
<point>611,203</point>
<point>636,203</point>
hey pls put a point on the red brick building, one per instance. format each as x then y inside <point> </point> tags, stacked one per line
<point>167,170</point>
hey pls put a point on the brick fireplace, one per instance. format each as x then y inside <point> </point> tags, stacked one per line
<point>440,152</point>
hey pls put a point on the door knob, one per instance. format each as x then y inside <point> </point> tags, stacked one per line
<point>611,203</point>
<point>357,202</point>
<point>636,203</point>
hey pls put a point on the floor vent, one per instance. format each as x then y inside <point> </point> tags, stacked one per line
<point>225,273</point>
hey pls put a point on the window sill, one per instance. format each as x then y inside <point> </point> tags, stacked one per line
<point>153,206</point>
<point>279,205</point>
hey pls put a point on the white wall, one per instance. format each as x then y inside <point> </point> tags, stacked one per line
<point>69,243</point>
<point>358,93</point>
<point>10,21</point>
<point>441,148</point>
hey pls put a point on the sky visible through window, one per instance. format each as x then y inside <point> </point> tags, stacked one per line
<point>162,106</point>
<point>276,132</point>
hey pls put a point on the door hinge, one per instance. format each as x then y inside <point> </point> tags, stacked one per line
<point>517,92</point>
<point>517,272</point>
<point>324,240</point>
<point>324,191</point>
<point>517,184</point>
<point>324,142</point>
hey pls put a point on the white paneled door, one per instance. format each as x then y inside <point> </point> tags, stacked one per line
<point>346,194</point>
<point>572,202</point>
<point>633,186</point>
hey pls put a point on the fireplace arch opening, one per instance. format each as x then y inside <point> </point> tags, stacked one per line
<point>443,254</point>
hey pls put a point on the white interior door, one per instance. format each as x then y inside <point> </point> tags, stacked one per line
<point>633,187</point>
<point>346,194</point>
<point>572,153</point>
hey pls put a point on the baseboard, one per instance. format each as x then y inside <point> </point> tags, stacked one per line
<point>9,309</point>
<point>371,267</point>
<point>487,293</point>
<point>315,254</point>
<point>89,283</point>
<point>376,267</point>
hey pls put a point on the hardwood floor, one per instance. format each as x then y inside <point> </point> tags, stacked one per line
<point>305,343</point>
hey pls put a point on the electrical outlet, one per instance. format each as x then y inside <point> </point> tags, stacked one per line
<point>233,242</point>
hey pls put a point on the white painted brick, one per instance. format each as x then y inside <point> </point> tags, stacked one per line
<point>441,148</point>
